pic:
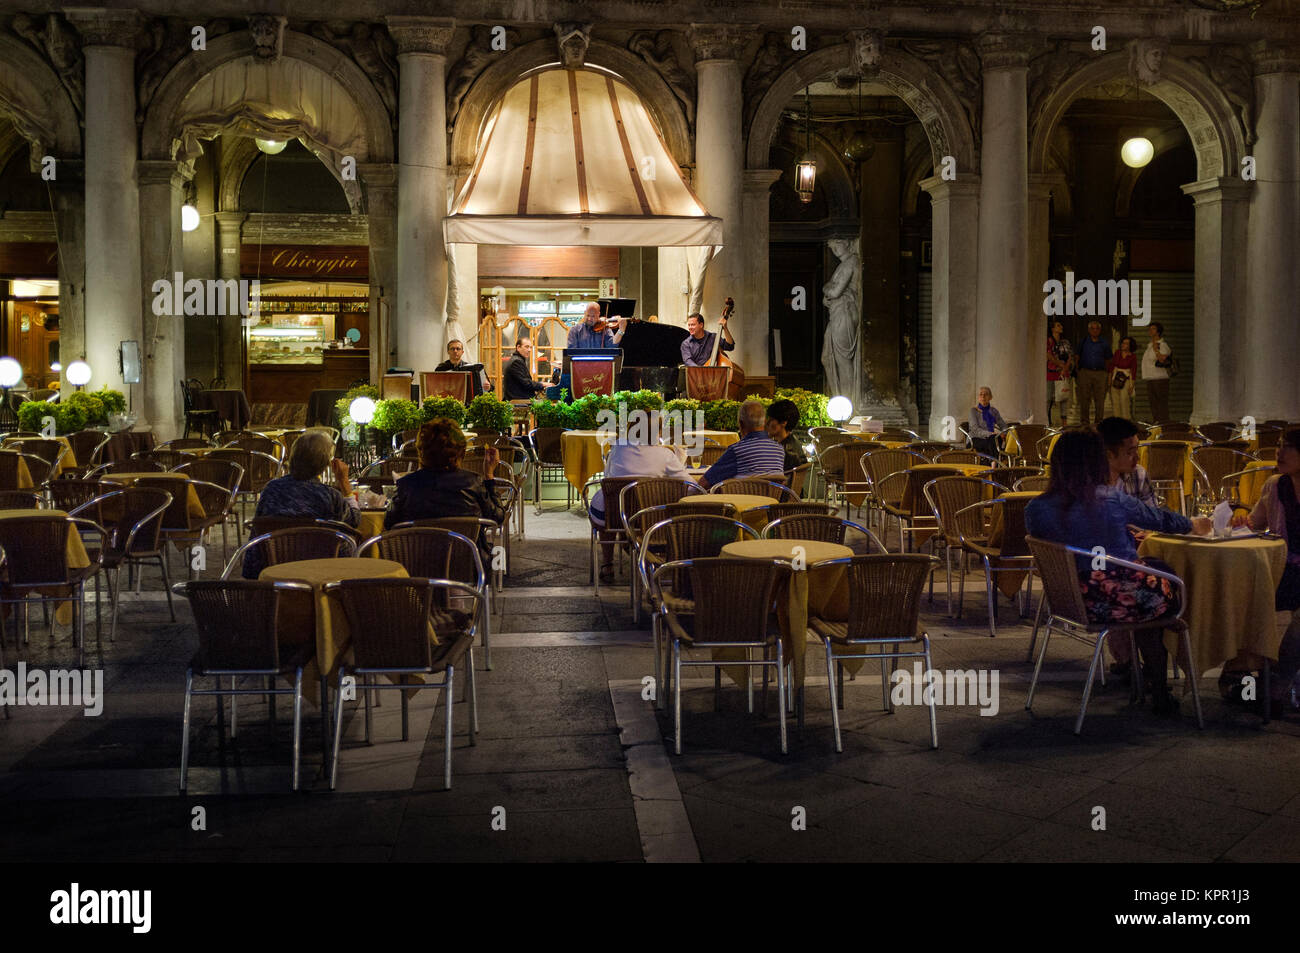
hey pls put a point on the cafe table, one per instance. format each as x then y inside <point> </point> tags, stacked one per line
<point>193,505</point>
<point>372,522</point>
<point>329,623</point>
<point>1230,589</point>
<point>822,591</point>
<point>69,458</point>
<point>743,502</point>
<point>76,550</point>
<point>1008,581</point>
<point>583,452</point>
<point>22,476</point>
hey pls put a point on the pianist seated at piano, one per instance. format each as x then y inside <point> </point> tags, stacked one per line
<point>698,347</point>
<point>519,382</point>
<point>582,336</point>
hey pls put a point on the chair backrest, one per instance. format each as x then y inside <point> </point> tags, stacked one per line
<point>835,433</point>
<point>797,478</point>
<point>1028,437</point>
<point>134,517</point>
<point>1008,476</point>
<point>878,464</point>
<point>930,449</point>
<point>733,597</point>
<point>222,472</point>
<point>885,593</point>
<point>1165,459</point>
<point>655,491</point>
<point>9,460</point>
<point>826,529</point>
<point>756,486</point>
<point>396,465</point>
<point>389,620</point>
<point>1219,430</point>
<point>1038,482</point>
<point>39,468</point>
<point>87,445</point>
<point>176,517</point>
<point>24,500</point>
<point>187,396</point>
<point>950,495</point>
<point>776,511</point>
<point>1266,453</point>
<point>640,522</point>
<point>262,469</point>
<point>261,525</point>
<point>696,536</point>
<point>35,549</point>
<point>963,456</point>
<point>711,453</point>
<point>297,542</point>
<point>430,552</point>
<point>548,445</point>
<point>1176,430</point>
<point>167,459</point>
<point>1215,463</point>
<point>69,494</point>
<point>611,489</point>
<point>1011,514</point>
<point>48,450</point>
<point>184,443</point>
<point>225,437</point>
<point>237,621</point>
<point>132,466</point>
<point>259,444</point>
<point>894,434</point>
<point>1060,574</point>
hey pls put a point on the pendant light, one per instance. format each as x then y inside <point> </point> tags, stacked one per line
<point>805,172</point>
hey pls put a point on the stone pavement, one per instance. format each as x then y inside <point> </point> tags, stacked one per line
<point>580,767</point>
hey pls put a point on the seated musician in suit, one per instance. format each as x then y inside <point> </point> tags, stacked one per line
<point>698,348</point>
<point>582,336</point>
<point>455,357</point>
<point>519,382</point>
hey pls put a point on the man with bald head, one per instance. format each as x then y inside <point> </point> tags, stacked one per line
<point>582,336</point>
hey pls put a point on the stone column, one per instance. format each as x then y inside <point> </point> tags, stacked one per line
<point>1273,285</point>
<point>1220,381</point>
<point>421,189</point>
<point>1004,357</point>
<point>879,212</point>
<point>1041,187</point>
<point>720,183</point>
<point>162,345</point>
<point>70,219</point>
<point>113,312</point>
<point>753,301</point>
<point>955,233</point>
<point>379,180</point>
<point>230,332</point>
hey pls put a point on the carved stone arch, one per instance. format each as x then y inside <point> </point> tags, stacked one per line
<point>1128,176</point>
<point>918,164</point>
<point>238,154</point>
<point>162,116</point>
<point>1211,121</point>
<point>924,91</point>
<point>497,79</point>
<point>34,100</point>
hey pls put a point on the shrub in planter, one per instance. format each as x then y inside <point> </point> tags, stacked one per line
<point>721,415</point>
<point>91,405</point>
<point>394,416</point>
<point>639,400</point>
<point>448,407</point>
<point>812,406</point>
<point>68,418</point>
<point>552,414</point>
<point>490,413</point>
<point>586,410</point>
<point>114,401</point>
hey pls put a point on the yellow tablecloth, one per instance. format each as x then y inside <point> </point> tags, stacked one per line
<point>1248,489</point>
<point>193,506</point>
<point>583,452</point>
<point>69,458</point>
<point>330,621</point>
<point>744,502</point>
<point>1008,582</point>
<point>24,477</point>
<point>372,522</point>
<point>1230,589</point>
<point>824,592</point>
<point>723,438</point>
<point>77,556</point>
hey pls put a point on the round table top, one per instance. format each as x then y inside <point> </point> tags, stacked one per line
<point>959,467</point>
<point>814,550</point>
<point>742,501</point>
<point>320,571</point>
<point>1211,544</point>
<point>20,514</point>
<point>1019,494</point>
<point>166,475</point>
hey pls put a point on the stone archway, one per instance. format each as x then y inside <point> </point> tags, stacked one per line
<point>1219,140</point>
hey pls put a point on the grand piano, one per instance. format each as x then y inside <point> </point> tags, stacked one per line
<point>652,354</point>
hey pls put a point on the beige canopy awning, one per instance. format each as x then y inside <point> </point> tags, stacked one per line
<point>571,157</point>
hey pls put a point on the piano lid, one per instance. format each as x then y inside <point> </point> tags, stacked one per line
<point>647,344</point>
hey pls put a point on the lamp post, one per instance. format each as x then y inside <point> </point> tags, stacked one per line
<point>839,409</point>
<point>362,411</point>
<point>78,373</point>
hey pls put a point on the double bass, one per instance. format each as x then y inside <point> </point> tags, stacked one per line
<point>736,379</point>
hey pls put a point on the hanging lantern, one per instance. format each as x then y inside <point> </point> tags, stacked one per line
<point>805,171</point>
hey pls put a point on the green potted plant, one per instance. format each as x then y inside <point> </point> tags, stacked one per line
<point>488,413</point>
<point>812,406</point>
<point>68,418</point>
<point>721,415</point>
<point>343,403</point>
<point>434,408</point>
<point>395,415</point>
<point>92,405</point>
<point>549,413</point>
<point>586,410</point>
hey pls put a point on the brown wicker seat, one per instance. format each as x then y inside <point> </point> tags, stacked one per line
<point>1002,550</point>
<point>884,610</point>
<point>1063,600</point>
<point>1007,476</point>
<point>732,609</point>
<point>293,543</point>
<point>903,498</point>
<point>950,499</point>
<point>70,494</point>
<point>50,450</point>
<point>826,529</point>
<point>35,564</point>
<point>963,456</point>
<point>167,459</point>
<point>1028,440</point>
<point>710,454</point>
<point>226,473</point>
<point>237,622</point>
<point>548,457</point>
<point>1038,483</point>
<point>840,465</point>
<point>389,623</point>
<point>762,515</point>
<point>642,494</point>
<point>24,500</point>
<point>797,478</point>
<point>877,465</point>
<point>132,519</point>
<point>1165,462</point>
<point>430,552</point>
<point>87,445</point>
<point>758,486</point>
<point>931,449</point>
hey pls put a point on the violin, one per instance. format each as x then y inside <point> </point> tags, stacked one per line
<point>603,324</point>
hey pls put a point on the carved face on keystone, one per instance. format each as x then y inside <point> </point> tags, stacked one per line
<point>867,51</point>
<point>1146,60</point>
<point>268,36</point>
<point>574,39</point>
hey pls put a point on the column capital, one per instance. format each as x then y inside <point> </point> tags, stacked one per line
<point>429,35</point>
<point>718,41</point>
<point>1228,188</point>
<point>1044,184</point>
<point>942,189</point>
<point>100,26</point>
<point>378,175</point>
<point>1271,56</point>
<point>760,180</point>
<point>230,219</point>
<point>1007,50</point>
<point>160,172</point>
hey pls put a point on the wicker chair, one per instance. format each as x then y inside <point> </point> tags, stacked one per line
<point>261,525</point>
<point>40,469</point>
<point>1219,430</point>
<point>35,552</point>
<point>294,543</point>
<point>51,451</point>
<point>1006,477</point>
<point>471,527</point>
<point>167,459</point>
<point>840,465</point>
<point>429,552</point>
<point>827,529</point>
<point>611,489</point>
<point>1177,430</point>
<point>931,449</point>
<point>548,450</point>
<point>877,465</point>
<point>131,466</point>
<point>775,511</point>
<point>1165,462</point>
<point>1067,613</point>
<point>895,434</point>
<point>797,478</point>
<point>1037,483</point>
<point>70,494</point>
<point>222,472</point>
<point>132,519</point>
<point>389,622</point>
<point>87,445</point>
<point>259,444</point>
<point>884,610</point>
<point>731,610</point>
<point>1027,437</point>
<point>964,456</point>
<point>239,637</point>
<point>202,421</point>
<point>393,466</point>
<point>757,486</point>
<point>1212,465</point>
<point>950,499</point>
<point>711,453</point>
<point>178,525</point>
<point>1006,517</point>
<point>184,444</point>
<point>903,498</point>
<point>23,500</point>
<point>9,470</point>
<point>643,494</point>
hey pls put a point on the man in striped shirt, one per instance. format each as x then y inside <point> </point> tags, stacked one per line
<point>755,453</point>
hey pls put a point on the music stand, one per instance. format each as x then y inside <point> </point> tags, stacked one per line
<point>598,369</point>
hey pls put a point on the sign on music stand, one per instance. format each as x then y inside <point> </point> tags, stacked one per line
<point>592,370</point>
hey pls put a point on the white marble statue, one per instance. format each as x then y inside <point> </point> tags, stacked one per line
<point>843,300</point>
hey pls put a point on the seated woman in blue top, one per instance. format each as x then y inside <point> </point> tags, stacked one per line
<point>1080,508</point>
<point>985,424</point>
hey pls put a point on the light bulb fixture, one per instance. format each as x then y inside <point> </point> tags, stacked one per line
<point>189,217</point>
<point>860,146</point>
<point>272,147</point>
<point>11,372</point>
<point>1137,152</point>
<point>805,172</point>
<point>56,367</point>
<point>78,374</point>
<point>361,410</point>
<point>839,409</point>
